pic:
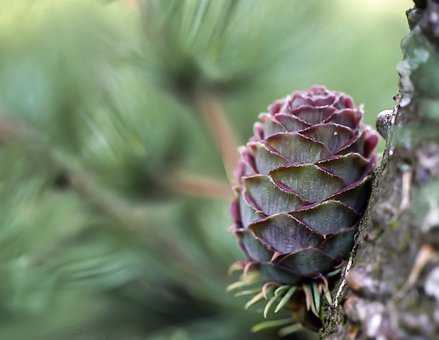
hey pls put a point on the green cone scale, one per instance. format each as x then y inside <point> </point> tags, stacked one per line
<point>304,183</point>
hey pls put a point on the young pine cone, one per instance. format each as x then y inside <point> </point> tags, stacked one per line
<point>304,183</point>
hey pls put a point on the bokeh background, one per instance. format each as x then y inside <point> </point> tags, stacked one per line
<point>116,119</point>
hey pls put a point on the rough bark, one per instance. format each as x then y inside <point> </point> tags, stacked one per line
<point>391,290</point>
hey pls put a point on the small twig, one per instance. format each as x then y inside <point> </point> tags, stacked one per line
<point>199,186</point>
<point>425,255</point>
<point>212,112</point>
<point>132,3</point>
<point>7,130</point>
<point>406,188</point>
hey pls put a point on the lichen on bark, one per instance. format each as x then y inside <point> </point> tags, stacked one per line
<point>392,286</point>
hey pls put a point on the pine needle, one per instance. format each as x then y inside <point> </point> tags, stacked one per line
<point>279,291</point>
<point>235,267</point>
<point>267,289</point>
<point>308,296</point>
<point>236,285</point>
<point>333,273</point>
<point>285,299</point>
<point>255,299</point>
<point>316,298</point>
<point>245,280</point>
<point>269,305</point>
<point>270,324</point>
<point>247,292</point>
<point>326,292</point>
<point>290,329</point>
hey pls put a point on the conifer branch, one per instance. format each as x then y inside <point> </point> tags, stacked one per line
<point>132,216</point>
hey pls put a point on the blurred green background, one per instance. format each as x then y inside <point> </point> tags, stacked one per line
<point>113,194</point>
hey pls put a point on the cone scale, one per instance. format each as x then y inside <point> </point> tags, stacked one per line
<point>304,181</point>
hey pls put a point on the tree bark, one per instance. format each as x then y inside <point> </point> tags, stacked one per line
<point>391,290</point>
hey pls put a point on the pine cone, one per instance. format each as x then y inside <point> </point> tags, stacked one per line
<point>304,183</point>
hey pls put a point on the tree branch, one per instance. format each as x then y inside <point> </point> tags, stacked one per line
<point>393,282</point>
